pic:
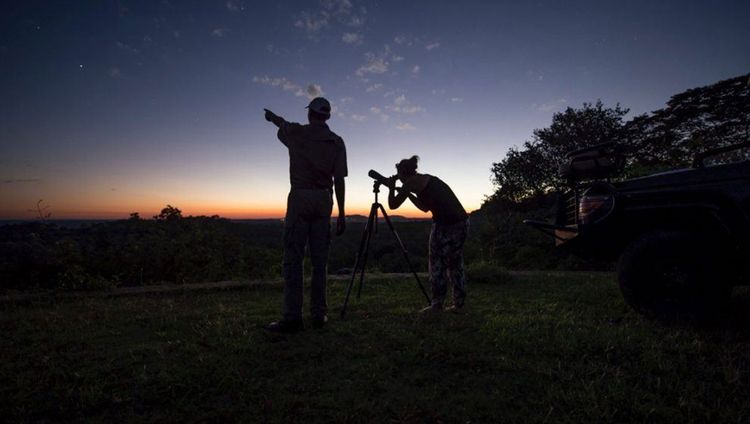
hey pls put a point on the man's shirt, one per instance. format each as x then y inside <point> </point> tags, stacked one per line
<point>316,154</point>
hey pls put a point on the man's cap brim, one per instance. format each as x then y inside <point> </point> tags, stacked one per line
<point>318,111</point>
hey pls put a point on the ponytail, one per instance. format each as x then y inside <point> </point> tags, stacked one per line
<point>408,166</point>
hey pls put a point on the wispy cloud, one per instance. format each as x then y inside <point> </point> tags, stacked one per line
<point>402,105</point>
<point>551,105</point>
<point>457,99</point>
<point>404,40</point>
<point>415,70</point>
<point>392,93</point>
<point>274,49</point>
<point>400,39</point>
<point>345,12</point>
<point>312,23</point>
<point>115,72</point>
<point>234,6</point>
<point>122,46</point>
<point>432,46</point>
<point>311,91</point>
<point>374,87</point>
<point>342,12</point>
<point>379,113</point>
<point>536,75</point>
<point>405,126</point>
<point>219,32</point>
<point>337,6</point>
<point>358,118</point>
<point>314,90</point>
<point>412,109</point>
<point>352,38</point>
<point>375,63</point>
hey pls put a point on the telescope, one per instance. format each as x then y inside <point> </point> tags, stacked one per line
<point>380,179</point>
<point>364,243</point>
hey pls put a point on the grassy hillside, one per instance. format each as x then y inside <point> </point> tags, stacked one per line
<point>536,347</point>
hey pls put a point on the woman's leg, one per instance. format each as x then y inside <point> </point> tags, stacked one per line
<point>457,237</point>
<point>437,265</point>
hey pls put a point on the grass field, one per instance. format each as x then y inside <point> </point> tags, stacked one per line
<point>533,348</point>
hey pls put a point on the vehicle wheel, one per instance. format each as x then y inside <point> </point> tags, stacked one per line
<point>673,275</point>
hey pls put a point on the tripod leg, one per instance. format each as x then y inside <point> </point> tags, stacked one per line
<point>363,241</point>
<point>372,222</point>
<point>403,250</point>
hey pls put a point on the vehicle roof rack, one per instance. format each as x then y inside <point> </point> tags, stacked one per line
<point>700,157</point>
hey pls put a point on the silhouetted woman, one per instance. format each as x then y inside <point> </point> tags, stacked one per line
<point>450,224</point>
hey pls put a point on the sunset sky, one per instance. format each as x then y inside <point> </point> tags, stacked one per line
<point>113,107</point>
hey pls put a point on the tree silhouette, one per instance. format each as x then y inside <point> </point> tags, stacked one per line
<point>533,169</point>
<point>693,121</point>
<point>169,213</point>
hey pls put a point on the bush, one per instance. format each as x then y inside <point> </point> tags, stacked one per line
<point>136,252</point>
<point>75,278</point>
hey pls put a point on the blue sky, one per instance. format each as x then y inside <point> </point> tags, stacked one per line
<point>121,106</point>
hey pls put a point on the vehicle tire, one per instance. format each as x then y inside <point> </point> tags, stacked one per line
<point>669,274</point>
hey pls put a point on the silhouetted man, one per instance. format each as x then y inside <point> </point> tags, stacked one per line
<point>317,163</point>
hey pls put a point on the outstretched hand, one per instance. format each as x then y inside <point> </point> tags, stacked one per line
<point>269,115</point>
<point>340,225</point>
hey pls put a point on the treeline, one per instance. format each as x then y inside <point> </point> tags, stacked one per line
<point>127,252</point>
<point>527,183</point>
<point>176,249</point>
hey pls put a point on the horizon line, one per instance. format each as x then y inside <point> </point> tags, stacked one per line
<point>234,218</point>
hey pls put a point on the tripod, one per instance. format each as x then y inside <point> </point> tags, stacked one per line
<point>364,247</point>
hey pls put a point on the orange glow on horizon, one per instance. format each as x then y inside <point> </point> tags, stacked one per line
<point>257,212</point>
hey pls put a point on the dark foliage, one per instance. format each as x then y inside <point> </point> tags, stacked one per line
<point>170,213</point>
<point>131,252</point>
<point>532,170</point>
<point>527,180</point>
<point>693,121</point>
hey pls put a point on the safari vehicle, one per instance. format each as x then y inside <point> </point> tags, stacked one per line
<point>681,238</point>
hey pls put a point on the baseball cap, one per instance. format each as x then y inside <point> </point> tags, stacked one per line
<point>320,105</point>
